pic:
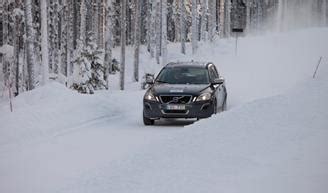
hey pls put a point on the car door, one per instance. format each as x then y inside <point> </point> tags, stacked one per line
<point>220,89</point>
<point>213,75</point>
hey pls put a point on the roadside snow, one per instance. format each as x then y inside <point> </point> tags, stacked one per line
<point>275,144</point>
<point>272,139</point>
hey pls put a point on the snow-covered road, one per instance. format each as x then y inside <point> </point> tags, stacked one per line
<point>272,139</point>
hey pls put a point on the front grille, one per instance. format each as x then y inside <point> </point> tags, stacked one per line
<point>176,99</point>
<point>175,111</point>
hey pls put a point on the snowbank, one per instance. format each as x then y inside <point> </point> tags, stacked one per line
<point>54,109</point>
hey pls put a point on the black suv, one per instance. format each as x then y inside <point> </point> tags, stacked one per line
<point>185,90</point>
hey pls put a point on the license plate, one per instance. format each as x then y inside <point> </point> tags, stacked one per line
<point>175,107</point>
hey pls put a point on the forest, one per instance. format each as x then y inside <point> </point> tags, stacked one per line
<point>71,41</point>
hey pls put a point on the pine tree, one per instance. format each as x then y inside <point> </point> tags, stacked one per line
<point>91,68</point>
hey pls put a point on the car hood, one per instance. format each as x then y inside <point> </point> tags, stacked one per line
<point>193,89</point>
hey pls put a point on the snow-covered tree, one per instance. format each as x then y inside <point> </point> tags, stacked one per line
<point>88,63</point>
<point>89,69</point>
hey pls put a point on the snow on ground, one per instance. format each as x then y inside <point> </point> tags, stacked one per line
<point>276,144</point>
<point>272,139</point>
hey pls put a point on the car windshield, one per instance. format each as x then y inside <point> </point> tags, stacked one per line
<point>183,75</point>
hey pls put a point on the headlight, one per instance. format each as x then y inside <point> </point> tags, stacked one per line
<point>149,96</point>
<point>204,97</point>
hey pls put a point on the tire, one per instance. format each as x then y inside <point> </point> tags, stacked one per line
<point>224,106</point>
<point>215,106</point>
<point>147,121</point>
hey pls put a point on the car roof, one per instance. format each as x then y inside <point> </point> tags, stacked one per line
<point>188,64</point>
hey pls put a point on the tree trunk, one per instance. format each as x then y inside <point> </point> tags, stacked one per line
<point>248,16</point>
<point>221,18</point>
<point>16,34</point>
<point>176,18</point>
<point>158,30</point>
<point>75,24</point>
<point>211,20</point>
<point>194,34</point>
<point>69,40</point>
<point>101,23</point>
<point>204,20</point>
<point>95,19</point>
<point>30,44</point>
<point>324,13</point>
<point>44,42</point>
<point>164,32</point>
<point>137,40</point>
<point>108,41</point>
<point>183,26</point>
<point>227,25</point>
<point>5,30</point>
<point>123,41</point>
<point>148,25</point>
<point>153,28</point>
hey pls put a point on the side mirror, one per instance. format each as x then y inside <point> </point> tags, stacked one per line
<point>150,80</point>
<point>218,81</point>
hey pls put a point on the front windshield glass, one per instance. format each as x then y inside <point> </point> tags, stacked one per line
<point>183,75</point>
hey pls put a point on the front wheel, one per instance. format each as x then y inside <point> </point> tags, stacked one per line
<point>215,107</point>
<point>224,106</point>
<point>148,121</point>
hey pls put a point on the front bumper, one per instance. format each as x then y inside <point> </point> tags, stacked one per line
<point>157,110</point>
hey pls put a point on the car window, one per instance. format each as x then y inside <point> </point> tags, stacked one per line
<point>183,75</point>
